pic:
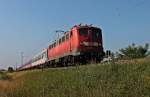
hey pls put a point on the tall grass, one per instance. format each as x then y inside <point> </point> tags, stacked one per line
<point>99,80</point>
<point>4,76</point>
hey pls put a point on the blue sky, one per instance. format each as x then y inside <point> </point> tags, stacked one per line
<point>29,25</point>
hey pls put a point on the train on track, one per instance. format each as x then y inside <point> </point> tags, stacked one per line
<point>80,45</point>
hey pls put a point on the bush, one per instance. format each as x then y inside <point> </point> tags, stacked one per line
<point>133,51</point>
<point>4,76</point>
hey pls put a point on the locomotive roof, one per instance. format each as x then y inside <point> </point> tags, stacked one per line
<point>84,26</point>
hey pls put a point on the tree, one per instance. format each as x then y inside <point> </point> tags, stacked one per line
<point>133,51</point>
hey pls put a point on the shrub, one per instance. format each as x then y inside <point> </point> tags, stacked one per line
<point>133,51</point>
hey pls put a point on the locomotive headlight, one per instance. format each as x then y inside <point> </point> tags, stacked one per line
<point>85,43</point>
<point>95,44</point>
<point>99,44</point>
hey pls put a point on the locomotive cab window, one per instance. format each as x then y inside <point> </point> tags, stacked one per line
<point>96,33</point>
<point>83,31</point>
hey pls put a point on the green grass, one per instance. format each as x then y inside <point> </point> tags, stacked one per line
<point>3,76</point>
<point>99,80</point>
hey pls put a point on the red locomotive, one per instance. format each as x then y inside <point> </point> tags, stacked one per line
<point>82,44</point>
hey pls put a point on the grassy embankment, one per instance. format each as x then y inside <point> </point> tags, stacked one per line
<point>3,76</point>
<point>122,79</point>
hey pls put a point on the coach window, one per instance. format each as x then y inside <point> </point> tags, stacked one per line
<point>44,55</point>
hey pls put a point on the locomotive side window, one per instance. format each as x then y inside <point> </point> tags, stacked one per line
<point>67,36</point>
<point>71,33</point>
<point>59,41</point>
<point>63,38</point>
<point>50,46</point>
<point>83,31</point>
<point>54,44</point>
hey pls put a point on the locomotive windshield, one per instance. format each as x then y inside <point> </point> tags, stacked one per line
<point>93,33</point>
<point>83,31</point>
<point>96,33</point>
